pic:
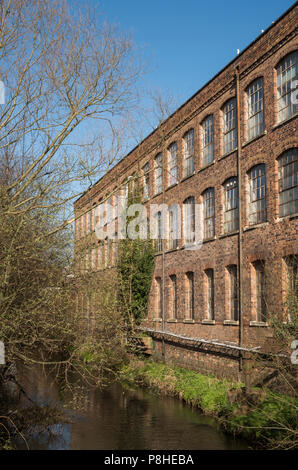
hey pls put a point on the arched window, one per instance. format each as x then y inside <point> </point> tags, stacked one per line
<point>189,220</point>
<point>286,74</point>
<point>257,195</point>
<point>255,108</point>
<point>172,164</point>
<point>259,291</point>
<point>231,205</point>
<point>158,173</point>
<point>173,296</point>
<point>107,252</point>
<point>174,229</point>
<point>233,292</point>
<point>229,126</point>
<point>159,232</point>
<point>209,273</point>
<point>209,219</point>
<point>188,161</point>
<point>159,297</point>
<point>100,254</point>
<point>288,182</point>
<point>207,141</point>
<point>146,181</point>
<point>190,295</point>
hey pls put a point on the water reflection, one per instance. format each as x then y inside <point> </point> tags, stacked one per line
<point>118,418</point>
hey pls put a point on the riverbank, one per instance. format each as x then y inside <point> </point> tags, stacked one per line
<point>111,417</point>
<point>266,419</point>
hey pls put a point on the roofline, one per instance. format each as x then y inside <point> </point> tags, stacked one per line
<point>193,96</point>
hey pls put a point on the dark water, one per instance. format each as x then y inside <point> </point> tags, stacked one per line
<point>116,418</point>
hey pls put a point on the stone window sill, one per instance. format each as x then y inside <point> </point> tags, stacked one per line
<point>172,250</point>
<point>247,142</point>
<point>188,321</point>
<point>227,154</point>
<point>284,122</point>
<point>230,234</point>
<point>158,254</point>
<point>287,217</point>
<point>171,186</point>
<point>157,194</point>
<point>211,239</point>
<point>252,227</point>
<point>258,323</point>
<point>231,322</point>
<point>187,177</point>
<point>189,246</point>
<point>158,320</point>
<point>208,322</point>
<point>172,320</point>
<point>206,166</point>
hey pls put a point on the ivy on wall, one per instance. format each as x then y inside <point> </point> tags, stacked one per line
<point>135,267</point>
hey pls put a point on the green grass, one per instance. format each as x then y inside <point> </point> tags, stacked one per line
<point>206,392</point>
<point>271,422</point>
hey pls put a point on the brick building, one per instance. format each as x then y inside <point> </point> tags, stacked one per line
<point>231,150</point>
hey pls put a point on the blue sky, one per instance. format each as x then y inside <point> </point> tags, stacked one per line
<point>187,42</point>
<point>183,44</point>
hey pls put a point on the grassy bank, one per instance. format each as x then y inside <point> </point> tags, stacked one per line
<point>266,419</point>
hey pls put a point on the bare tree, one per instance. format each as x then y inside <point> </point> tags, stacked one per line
<point>69,77</point>
<point>62,71</point>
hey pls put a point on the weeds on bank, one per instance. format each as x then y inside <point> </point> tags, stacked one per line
<point>270,421</point>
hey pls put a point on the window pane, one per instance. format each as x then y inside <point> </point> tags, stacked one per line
<point>257,204</point>
<point>231,205</point>
<point>210,293</point>
<point>172,165</point>
<point>233,293</point>
<point>159,232</point>
<point>173,228</point>
<point>255,107</point>
<point>159,297</point>
<point>189,220</point>
<point>261,305</point>
<point>173,307</point>
<point>229,126</point>
<point>208,199</point>
<point>146,181</point>
<point>286,74</point>
<point>190,294</point>
<point>208,148</point>
<point>188,160</point>
<point>158,173</point>
<point>288,182</point>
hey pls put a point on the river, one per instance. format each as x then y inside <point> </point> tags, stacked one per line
<point>117,418</point>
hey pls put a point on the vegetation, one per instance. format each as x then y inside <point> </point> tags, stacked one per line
<point>259,416</point>
<point>271,424</point>
<point>63,71</point>
<point>134,267</point>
